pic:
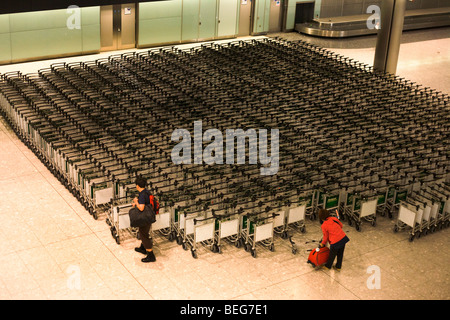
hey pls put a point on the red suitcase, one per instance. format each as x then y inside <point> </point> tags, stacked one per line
<point>318,257</point>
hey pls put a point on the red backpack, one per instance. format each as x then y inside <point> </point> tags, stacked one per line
<point>155,204</point>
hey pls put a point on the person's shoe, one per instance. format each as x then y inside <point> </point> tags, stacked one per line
<point>324,267</point>
<point>141,249</point>
<point>150,257</point>
<point>337,269</point>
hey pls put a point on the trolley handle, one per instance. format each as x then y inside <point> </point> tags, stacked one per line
<point>187,213</point>
<point>124,207</point>
<point>222,216</point>
<point>205,219</point>
<point>273,215</point>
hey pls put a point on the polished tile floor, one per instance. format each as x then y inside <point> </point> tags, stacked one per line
<point>51,248</point>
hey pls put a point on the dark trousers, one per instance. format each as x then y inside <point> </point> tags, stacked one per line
<point>144,234</point>
<point>336,250</point>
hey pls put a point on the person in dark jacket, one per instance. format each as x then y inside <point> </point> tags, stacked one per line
<point>144,232</point>
<point>333,233</point>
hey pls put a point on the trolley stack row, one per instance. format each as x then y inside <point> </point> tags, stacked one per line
<point>425,211</point>
<point>350,139</point>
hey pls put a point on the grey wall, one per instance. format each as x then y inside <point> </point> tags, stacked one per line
<point>336,8</point>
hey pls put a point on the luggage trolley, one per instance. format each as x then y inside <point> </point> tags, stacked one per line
<point>409,216</point>
<point>227,228</point>
<point>199,230</point>
<point>306,198</point>
<point>285,217</point>
<point>256,229</point>
<point>163,221</point>
<point>328,199</point>
<point>394,195</point>
<point>442,201</point>
<point>423,206</point>
<point>444,189</point>
<point>359,207</point>
<point>381,203</point>
<point>119,220</point>
<point>428,204</point>
<point>292,217</point>
<point>193,225</point>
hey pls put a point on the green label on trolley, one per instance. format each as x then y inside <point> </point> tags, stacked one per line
<point>391,193</point>
<point>401,196</point>
<point>306,200</point>
<point>217,226</point>
<point>357,204</point>
<point>320,194</point>
<point>245,224</point>
<point>381,198</point>
<point>332,202</point>
<point>350,199</point>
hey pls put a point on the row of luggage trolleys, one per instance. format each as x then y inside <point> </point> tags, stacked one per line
<point>425,210</point>
<point>249,224</point>
<point>192,226</point>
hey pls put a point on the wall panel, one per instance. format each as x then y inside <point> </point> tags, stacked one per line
<point>45,34</point>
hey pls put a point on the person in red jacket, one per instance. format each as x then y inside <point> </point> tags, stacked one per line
<point>333,233</point>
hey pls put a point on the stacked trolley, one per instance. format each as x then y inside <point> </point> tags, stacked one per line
<point>425,211</point>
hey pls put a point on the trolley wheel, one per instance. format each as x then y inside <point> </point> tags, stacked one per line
<point>219,249</point>
<point>253,252</point>
<point>115,235</point>
<point>302,229</point>
<point>350,221</point>
<point>248,247</point>
<point>358,226</point>
<point>194,254</point>
<point>93,212</point>
<point>411,238</point>
<point>395,229</point>
<point>179,240</point>
<point>215,248</point>
<point>284,235</point>
<point>238,243</point>
<point>373,223</point>
<point>294,250</point>
<point>418,234</point>
<point>184,246</point>
<point>172,236</point>
<point>272,248</point>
